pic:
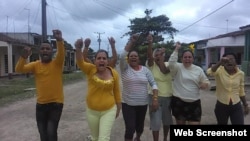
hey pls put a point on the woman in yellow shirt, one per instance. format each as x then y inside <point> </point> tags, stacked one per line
<point>229,90</point>
<point>112,62</point>
<point>103,95</point>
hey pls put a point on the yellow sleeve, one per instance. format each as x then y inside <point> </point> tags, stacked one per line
<point>22,67</point>
<point>242,85</point>
<point>84,66</point>
<point>211,73</point>
<point>60,54</point>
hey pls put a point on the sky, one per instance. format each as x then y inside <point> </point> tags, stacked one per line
<point>194,19</point>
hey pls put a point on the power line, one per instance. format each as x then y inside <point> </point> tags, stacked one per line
<point>28,23</point>
<point>105,6</point>
<point>206,16</point>
<point>54,13</point>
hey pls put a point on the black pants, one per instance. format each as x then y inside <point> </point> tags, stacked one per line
<point>134,117</point>
<point>224,112</point>
<point>47,118</point>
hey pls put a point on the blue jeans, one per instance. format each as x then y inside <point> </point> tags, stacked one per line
<point>47,118</point>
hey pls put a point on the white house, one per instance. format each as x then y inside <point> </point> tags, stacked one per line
<point>211,50</point>
<point>11,45</point>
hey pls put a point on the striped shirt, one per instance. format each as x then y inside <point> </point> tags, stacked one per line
<point>135,83</point>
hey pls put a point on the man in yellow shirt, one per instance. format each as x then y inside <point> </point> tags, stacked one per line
<point>229,90</point>
<point>49,85</point>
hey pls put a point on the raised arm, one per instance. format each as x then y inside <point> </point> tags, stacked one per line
<point>161,62</point>
<point>131,42</point>
<point>174,58</point>
<point>81,63</point>
<point>60,54</point>
<point>78,46</point>
<point>21,65</point>
<point>87,42</point>
<point>127,48</point>
<point>219,63</point>
<point>150,51</point>
<point>112,62</point>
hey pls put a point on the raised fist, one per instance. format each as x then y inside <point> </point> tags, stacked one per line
<point>79,43</point>
<point>87,42</point>
<point>26,52</point>
<point>57,34</point>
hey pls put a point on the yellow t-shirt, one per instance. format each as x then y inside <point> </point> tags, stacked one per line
<point>48,76</point>
<point>102,94</point>
<point>164,81</point>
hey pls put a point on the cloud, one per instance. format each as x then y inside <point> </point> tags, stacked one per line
<point>195,19</point>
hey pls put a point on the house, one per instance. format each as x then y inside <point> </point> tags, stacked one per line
<point>11,45</point>
<point>209,51</point>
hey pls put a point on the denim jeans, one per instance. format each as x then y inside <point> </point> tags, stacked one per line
<point>47,118</point>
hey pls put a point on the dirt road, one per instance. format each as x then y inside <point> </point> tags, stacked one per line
<point>17,121</point>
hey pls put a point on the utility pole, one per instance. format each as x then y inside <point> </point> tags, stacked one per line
<point>99,38</point>
<point>44,21</point>
<point>147,12</point>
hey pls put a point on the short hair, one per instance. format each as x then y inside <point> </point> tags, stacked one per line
<point>46,42</point>
<point>230,53</point>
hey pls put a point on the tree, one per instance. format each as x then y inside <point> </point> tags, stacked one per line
<point>155,25</point>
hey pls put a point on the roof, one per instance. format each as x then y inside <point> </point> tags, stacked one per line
<point>5,38</point>
<point>230,34</point>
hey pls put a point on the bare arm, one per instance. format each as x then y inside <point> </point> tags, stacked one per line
<point>78,46</point>
<point>161,62</point>
<point>112,62</point>
<point>60,54</point>
<point>150,51</point>
<point>87,42</point>
<point>218,64</point>
<point>131,42</point>
<point>127,48</point>
<point>174,58</point>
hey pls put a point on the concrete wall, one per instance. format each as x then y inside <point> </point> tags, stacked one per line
<point>227,41</point>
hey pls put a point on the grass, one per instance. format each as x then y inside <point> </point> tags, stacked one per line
<point>12,90</point>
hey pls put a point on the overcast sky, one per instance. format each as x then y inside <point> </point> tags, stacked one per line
<point>195,19</point>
